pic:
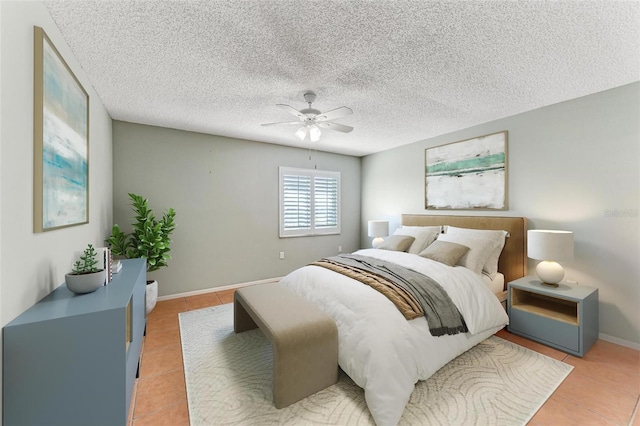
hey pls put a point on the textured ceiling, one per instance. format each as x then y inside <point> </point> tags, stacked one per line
<point>410,70</point>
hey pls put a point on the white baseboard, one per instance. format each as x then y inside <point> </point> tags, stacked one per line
<point>621,342</point>
<point>216,289</point>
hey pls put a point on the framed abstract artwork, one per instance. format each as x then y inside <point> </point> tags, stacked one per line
<point>61,141</point>
<point>469,174</point>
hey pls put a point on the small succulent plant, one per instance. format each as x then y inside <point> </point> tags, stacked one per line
<point>87,263</point>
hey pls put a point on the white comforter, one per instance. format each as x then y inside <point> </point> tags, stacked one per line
<point>378,348</point>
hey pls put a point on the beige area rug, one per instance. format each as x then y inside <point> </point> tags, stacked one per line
<point>228,380</point>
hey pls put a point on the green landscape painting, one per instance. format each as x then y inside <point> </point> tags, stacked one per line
<point>470,174</point>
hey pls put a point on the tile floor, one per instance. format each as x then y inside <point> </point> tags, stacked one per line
<point>603,388</point>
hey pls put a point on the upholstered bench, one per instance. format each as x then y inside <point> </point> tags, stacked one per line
<point>304,339</point>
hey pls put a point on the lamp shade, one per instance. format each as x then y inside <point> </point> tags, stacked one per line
<point>378,228</point>
<point>550,245</point>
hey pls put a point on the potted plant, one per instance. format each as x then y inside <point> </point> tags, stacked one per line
<point>149,239</point>
<point>85,277</point>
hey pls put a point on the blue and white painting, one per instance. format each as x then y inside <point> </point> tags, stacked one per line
<point>65,145</point>
<point>469,174</point>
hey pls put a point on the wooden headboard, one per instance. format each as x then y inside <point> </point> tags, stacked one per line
<point>513,260</point>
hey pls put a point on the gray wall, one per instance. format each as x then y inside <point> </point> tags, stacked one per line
<point>571,166</point>
<point>32,265</point>
<point>225,193</point>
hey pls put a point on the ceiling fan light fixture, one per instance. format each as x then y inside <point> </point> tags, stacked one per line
<point>314,133</point>
<point>301,133</point>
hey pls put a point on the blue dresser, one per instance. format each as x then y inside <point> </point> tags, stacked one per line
<point>72,359</point>
<point>563,317</point>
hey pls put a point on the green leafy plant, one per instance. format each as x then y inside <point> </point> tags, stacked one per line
<point>149,238</point>
<point>87,263</point>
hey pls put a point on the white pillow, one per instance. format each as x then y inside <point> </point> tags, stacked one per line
<point>479,250</point>
<point>491,265</point>
<point>424,235</point>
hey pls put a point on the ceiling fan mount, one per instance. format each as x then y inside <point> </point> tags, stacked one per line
<point>309,97</point>
<point>312,120</point>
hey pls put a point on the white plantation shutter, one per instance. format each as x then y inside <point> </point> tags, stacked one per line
<point>325,202</point>
<point>309,202</point>
<point>296,202</point>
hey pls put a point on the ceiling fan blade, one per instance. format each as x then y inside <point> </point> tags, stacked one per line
<point>335,126</point>
<point>297,123</point>
<point>335,113</point>
<point>292,110</point>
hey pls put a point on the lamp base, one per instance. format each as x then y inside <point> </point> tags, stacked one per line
<point>377,242</point>
<point>550,273</point>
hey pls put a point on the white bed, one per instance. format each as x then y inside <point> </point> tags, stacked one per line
<point>378,348</point>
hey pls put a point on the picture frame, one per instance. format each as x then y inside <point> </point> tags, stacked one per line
<point>61,141</point>
<point>468,175</point>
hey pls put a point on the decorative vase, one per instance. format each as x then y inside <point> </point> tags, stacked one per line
<point>85,283</point>
<point>151,295</point>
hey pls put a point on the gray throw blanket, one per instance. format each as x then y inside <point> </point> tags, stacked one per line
<point>441,313</point>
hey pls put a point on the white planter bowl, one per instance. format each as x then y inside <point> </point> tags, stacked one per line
<point>151,295</point>
<point>85,283</point>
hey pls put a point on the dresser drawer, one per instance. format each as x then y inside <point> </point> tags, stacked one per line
<point>556,333</point>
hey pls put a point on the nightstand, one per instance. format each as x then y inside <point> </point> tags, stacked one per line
<point>563,317</point>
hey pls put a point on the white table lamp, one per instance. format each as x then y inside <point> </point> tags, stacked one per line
<point>550,247</point>
<point>378,229</point>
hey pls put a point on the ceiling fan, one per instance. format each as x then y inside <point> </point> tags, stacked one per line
<point>312,121</point>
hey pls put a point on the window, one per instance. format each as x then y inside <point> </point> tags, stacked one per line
<point>309,202</point>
